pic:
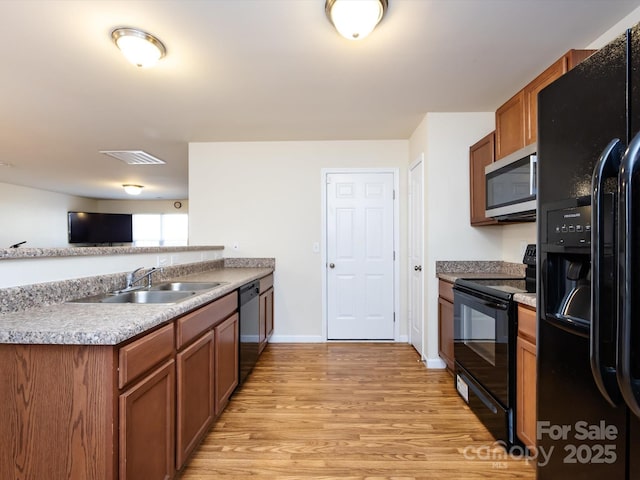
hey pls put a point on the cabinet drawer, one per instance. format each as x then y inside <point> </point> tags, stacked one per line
<point>193,324</point>
<point>141,355</point>
<point>446,290</point>
<point>527,323</point>
<point>266,283</point>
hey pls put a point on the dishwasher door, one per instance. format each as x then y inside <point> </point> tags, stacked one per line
<point>249,307</point>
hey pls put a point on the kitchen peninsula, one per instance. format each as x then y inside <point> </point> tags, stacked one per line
<point>107,391</point>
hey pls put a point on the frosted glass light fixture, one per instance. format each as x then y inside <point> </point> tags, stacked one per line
<point>355,19</point>
<point>132,189</point>
<point>140,48</point>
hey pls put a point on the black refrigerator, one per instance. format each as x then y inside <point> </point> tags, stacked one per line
<point>588,355</point>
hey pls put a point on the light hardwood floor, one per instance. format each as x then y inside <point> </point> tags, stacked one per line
<point>349,411</point>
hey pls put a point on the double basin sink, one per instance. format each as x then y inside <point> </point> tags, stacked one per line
<point>164,293</point>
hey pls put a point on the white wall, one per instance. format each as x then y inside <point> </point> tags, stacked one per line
<point>444,138</point>
<point>619,28</point>
<point>37,216</point>
<point>141,206</point>
<point>265,197</point>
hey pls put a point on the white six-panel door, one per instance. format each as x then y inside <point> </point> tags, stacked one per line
<point>360,256</point>
<point>416,248</point>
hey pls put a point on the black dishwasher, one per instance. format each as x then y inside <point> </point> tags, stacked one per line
<point>249,307</point>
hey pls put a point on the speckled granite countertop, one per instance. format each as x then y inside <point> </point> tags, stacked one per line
<point>26,252</point>
<point>110,324</point>
<point>450,271</point>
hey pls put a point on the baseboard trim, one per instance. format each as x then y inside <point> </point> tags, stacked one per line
<point>296,339</point>
<point>435,363</point>
<point>403,339</point>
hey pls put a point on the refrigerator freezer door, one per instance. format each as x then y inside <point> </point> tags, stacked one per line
<point>603,283</point>
<point>629,276</point>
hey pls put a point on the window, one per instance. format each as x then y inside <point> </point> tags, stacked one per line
<point>152,230</point>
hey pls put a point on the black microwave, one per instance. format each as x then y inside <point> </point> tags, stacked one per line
<point>511,186</point>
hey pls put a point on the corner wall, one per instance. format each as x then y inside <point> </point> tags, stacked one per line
<point>263,199</point>
<point>444,138</point>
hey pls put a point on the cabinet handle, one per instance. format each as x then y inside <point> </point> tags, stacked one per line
<point>418,268</point>
<point>332,265</point>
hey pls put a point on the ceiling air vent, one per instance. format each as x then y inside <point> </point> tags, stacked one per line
<point>134,157</point>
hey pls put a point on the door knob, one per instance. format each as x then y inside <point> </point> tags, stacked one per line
<point>332,265</point>
<point>418,268</point>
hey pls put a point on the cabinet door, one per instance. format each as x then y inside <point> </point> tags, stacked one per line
<point>510,135</point>
<point>526,392</point>
<point>531,91</point>
<point>445,337</point>
<point>226,360</point>
<point>195,395</point>
<point>480,155</point>
<point>262,323</point>
<point>269,311</point>
<point>147,426</point>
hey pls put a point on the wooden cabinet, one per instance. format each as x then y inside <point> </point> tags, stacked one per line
<point>226,360</point>
<point>510,121</point>
<point>195,395</point>
<point>129,411</point>
<point>147,408</point>
<point>526,377</point>
<point>199,370</point>
<point>480,155</point>
<point>445,323</point>
<point>147,426</point>
<point>266,311</point>
<point>517,119</point>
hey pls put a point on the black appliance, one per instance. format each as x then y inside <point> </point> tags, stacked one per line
<point>485,332</point>
<point>249,307</point>
<point>588,224</point>
<point>93,228</point>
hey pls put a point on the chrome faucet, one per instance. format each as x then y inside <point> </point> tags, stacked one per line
<point>132,280</point>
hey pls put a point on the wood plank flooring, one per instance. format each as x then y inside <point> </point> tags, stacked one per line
<point>349,411</point>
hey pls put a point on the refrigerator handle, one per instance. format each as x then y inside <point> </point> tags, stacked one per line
<point>606,167</point>
<point>627,267</point>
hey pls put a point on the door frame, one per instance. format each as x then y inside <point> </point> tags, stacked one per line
<point>396,242</point>
<point>410,227</point>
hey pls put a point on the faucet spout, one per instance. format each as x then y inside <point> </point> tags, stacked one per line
<point>132,280</point>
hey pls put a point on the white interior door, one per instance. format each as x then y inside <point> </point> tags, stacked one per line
<point>360,256</point>
<point>416,249</point>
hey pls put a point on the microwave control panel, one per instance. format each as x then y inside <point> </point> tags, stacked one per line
<point>569,227</point>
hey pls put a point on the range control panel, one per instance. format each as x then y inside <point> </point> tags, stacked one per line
<point>570,227</point>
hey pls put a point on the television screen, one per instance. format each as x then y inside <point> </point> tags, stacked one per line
<point>86,227</point>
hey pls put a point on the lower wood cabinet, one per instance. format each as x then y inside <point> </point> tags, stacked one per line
<point>265,327</point>
<point>226,360</point>
<point>195,395</point>
<point>131,411</point>
<point>147,426</point>
<point>445,323</point>
<point>526,377</point>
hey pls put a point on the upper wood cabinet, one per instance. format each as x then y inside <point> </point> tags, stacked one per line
<point>517,119</point>
<point>480,155</point>
<point>510,122</point>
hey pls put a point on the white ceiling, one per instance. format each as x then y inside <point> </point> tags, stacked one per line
<point>251,70</point>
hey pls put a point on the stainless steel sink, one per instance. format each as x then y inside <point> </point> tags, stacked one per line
<point>185,286</point>
<point>139,296</point>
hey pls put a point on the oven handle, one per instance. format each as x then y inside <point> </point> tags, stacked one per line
<point>604,375</point>
<point>481,300</point>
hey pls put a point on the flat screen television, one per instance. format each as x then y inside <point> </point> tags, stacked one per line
<point>94,228</point>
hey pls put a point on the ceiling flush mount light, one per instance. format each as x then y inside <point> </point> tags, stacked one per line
<point>132,189</point>
<point>140,48</point>
<point>355,19</point>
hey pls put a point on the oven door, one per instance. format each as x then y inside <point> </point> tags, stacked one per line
<point>482,340</point>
